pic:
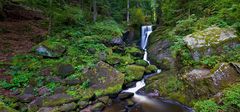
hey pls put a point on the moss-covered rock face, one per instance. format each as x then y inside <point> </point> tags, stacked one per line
<point>104,79</point>
<point>134,72</point>
<point>210,41</point>
<point>151,69</point>
<point>204,83</point>
<point>4,108</point>
<point>168,85</point>
<point>141,63</point>
<point>65,69</point>
<point>50,49</point>
<point>160,54</point>
<point>57,99</point>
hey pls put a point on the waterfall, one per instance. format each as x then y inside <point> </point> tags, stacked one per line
<point>144,100</point>
<point>146,31</point>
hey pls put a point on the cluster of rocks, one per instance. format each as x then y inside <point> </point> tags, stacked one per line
<point>197,82</point>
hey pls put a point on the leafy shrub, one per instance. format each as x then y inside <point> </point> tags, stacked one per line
<point>210,61</point>
<point>137,16</point>
<point>206,106</point>
<point>231,99</point>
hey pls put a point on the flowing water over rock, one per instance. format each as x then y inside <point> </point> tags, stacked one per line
<point>143,102</point>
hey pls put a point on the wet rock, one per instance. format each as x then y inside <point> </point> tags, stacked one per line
<point>35,104</point>
<point>211,41</point>
<point>48,109</point>
<point>44,91</point>
<point>105,99</point>
<point>128,36</point>
<point>117,41</point>
<point>27,96</point>
<point>97,107</point>
<point>104,78</point>
<point>64,70</point>
<point>134,72</point>
<point>68,107</point>
<point>155,93</point>
<point>29,90</point>
<point>125,95</point>
<point>60,90</point>
<point>72,82</point>
<point>82,104</point>
<point>4,108</point>
<point>57,99</point>
<point>151,69</point>
<point>46,72</point>
<point>54,79</point>
<point>130,102</point>
<point>237,66</point>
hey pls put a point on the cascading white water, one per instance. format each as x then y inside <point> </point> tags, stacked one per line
<point>146,31</point>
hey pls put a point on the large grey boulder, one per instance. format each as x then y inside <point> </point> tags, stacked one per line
<point>205,83</point>
<point>211,40</point>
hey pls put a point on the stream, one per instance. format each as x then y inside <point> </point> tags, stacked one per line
<point>143,103</point>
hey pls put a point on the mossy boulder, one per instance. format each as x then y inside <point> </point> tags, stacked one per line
<point>134,51</point>
<point>211,41</point>
<point>104,79</point>
<point>142,63</point>
<point>151,69</point>
<point>50,49</point>
<point>168,85</point>
<point>203,83</point>
<point>57,99</point>
<point>4,108</point>
<point>64,70</point>
<point>134,72</point>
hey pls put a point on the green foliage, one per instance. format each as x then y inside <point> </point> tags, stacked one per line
<point>231,98</point>
<point>138,17</point>
<point>85,84</point>
<point>107,28</point>
<point>52,86</point>
<point>20,79</point>
<point>180,50</point>
<point>210,61</point>
<point>206,106</point>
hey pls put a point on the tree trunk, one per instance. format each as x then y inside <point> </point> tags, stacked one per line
<point>94,10</point>
<point>128,8</point>
<point>159,13</point>
<point>50,18</point>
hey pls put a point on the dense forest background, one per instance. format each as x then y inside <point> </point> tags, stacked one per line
<point>77,34</point>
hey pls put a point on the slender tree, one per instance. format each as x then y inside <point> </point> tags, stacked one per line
<point>94,6</point>
<point>50,21</point>
<point>128,8</point>
<point>159,12</point>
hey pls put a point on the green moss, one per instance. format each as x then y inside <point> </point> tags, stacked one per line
<point>168,85</point>
<point>141,63</point>
<point>206,106</point>
<point>134,72</point>
<point>110,90</point>
<point>4,108</point>
<point>151,69</point>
